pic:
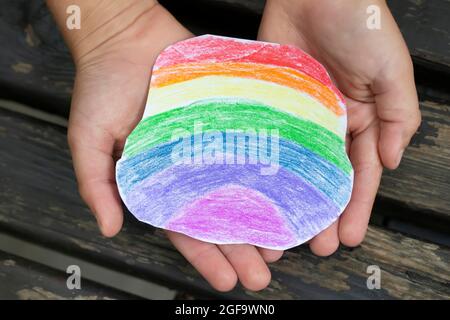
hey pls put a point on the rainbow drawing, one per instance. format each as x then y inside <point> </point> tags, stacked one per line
<point>240,142</point>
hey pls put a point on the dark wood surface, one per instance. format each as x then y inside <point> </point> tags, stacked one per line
<point>39,202</point>
<point>426,29</point>
<point>422,182</point>
<point>25,280</point>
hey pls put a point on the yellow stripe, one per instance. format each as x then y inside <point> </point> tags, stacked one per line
<point>280,75</point>
<point>280,97</point>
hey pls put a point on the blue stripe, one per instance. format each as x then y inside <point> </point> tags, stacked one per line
<point>321,174</point>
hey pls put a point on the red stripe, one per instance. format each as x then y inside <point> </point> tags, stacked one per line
<point>212,49</point>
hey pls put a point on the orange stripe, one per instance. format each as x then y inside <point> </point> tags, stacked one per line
<point>280,75</point>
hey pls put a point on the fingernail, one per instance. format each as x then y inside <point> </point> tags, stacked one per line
<point>400,155</point>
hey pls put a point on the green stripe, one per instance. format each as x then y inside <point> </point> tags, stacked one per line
<point>225,115</point>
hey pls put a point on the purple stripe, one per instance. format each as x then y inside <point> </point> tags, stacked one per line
<point>157,199</point>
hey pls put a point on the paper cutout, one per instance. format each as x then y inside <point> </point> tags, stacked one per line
<point>241,142</point>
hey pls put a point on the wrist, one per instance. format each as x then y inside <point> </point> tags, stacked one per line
<point>100,21</point>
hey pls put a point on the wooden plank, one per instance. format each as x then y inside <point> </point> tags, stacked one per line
<point>422,181</point>
<point>39,202</point>
<point>255,6</point>
<point>425,26</point>
<point>25,280</point>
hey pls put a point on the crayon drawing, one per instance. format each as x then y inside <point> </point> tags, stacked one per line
<point>241,142</point>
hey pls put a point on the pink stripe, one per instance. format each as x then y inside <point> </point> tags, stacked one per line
<point>234,213</point>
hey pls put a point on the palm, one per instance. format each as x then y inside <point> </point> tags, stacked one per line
<point>111,100</point>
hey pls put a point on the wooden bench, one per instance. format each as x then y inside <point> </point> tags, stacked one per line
<point>26,280</point>
<point>408,237</point>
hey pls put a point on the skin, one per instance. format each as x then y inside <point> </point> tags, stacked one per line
<point>114,52</point>
<point>374,71</point>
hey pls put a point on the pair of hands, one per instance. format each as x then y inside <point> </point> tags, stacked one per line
<point>371,67</point>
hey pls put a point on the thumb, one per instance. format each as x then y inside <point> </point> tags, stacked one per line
<point>398,110</point>
<point>92,154</point>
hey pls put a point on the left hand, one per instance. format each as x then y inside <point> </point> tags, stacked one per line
<point>374,71</point>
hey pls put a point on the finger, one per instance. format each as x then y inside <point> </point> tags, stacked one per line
<point>348,142</point>
<point>270,255</point>
<point>250,267</point>
<point>207,259</point>
<point>367,170</point>
<point>326,242</point>
<point>95,171</point>
<point>398,109</point>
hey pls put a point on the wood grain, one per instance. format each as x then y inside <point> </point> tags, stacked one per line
<point>39,202</point>
<point>35,64</point>
<point>422,182</point>
<point>426,28</point>
<point>25,280</point>
<point>424,24</point>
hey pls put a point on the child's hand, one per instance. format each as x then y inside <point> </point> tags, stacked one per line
<point>374,71</point>
<point>109,96</point>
